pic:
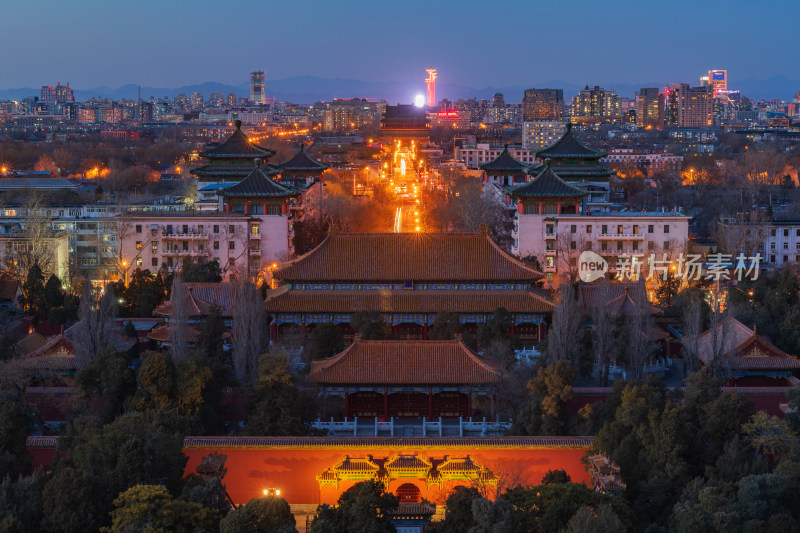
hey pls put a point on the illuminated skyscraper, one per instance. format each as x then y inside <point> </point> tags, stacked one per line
<point>596,105</point>
<point>257,86</point>
<point>231,99</point>
<point>649,108</point>
<point>543,104</point>
<point>430,82</point>
<point>718,80</point>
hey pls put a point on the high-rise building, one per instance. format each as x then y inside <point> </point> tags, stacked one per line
<point>596,105</point>
<point>64,93</point>
<point>257,86</point>
<point>543,104</point>
<point>48,94</point>
<point>649,108</point>
<point>498,100</point>
<point>717,80</point>
<point>538,134</point>
<point>181,101</point>
<point>196,100</point>
<point>216,99</point>
<point>430,83</point>
<point>696,107</point>
<point>231,99</point>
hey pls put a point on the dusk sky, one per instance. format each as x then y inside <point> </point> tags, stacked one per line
<point>174,43</point>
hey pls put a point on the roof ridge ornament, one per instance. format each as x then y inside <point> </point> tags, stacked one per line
<point>238,124</point>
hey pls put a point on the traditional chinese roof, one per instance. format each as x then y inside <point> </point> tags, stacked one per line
<point>58,353</point>
<point>407,465</point>
<point>624,303</point>
<point>237,146</point>
<point>201,298</point>
<point>742,348</point>
<point>504,162</point>
<point>283,300</point>
<point>547,184</point>
<point>303,161</point>
<point>408,362</point>
<point>240,171</point>
<point>616,297</point>
<point>406,257</point>
<point>256,184</point>
<point>382,443</point>
<point>569,147</point>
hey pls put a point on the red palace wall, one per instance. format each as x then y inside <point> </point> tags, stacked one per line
<point>292,464</point>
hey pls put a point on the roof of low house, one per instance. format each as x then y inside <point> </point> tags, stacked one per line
<point>58,353</point>
<point>201,298</point>
<point>504,162</point>
<point>237,146</point>
<point>8,290</point>
<point>406,257</point>
<point>411,362</point>
<point>282,300</point>
<point>256,184</point>
<point>741,348</point>
<point>547,184</point>
<point>569,147</point>
<point>302,161</point>
<point>616,297</point>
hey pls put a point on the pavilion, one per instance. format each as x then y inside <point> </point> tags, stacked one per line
<point>505,170</point>
<point>407,379</point>
<point>409,278</point>
<point>302,170</point>
<point>747,358</point>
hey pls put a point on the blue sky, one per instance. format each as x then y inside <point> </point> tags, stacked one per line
<point>169,43</point>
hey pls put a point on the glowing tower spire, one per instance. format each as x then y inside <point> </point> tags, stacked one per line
<point>431,83</point>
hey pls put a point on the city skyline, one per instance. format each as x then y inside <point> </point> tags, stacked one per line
<point>396,43</point>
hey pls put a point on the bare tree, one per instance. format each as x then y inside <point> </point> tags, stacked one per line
<point>179,320</point>
<point>566,330</point>
<point>603,342</point>
<point>742,233</point>
<point>640,346</point>
<point>249,321</point>
<point>692,318</point>
<point>568,247</point>
<point>95,325</point>
<point>38,228</point>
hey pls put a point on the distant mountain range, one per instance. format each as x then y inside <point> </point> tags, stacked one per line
<point>310,89</point>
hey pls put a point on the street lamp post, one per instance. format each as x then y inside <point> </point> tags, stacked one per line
<point>125,267</point>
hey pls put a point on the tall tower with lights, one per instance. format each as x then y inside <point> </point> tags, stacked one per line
<point>431,83</point>
<point>257,86</point>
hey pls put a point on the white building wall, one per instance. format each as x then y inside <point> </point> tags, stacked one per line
<point>610,235</point>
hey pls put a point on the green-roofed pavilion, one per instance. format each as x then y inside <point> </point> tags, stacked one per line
<point>257,194</point>
<point>232,160</point>
<point>547,194</point>
<point>505,169</point>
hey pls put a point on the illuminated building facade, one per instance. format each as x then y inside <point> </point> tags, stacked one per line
<point>475,155</point>
<point>596,105</point>
<point>717,80</point>
<point>695,107</point>
<point>196,100</point>
<point>538,134</point>
<point>430,83</point>
<point>553,223</point>
<point>257,86</point>
<point>650,108</point>
<point>543,104</point>
<point>408,278</point>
